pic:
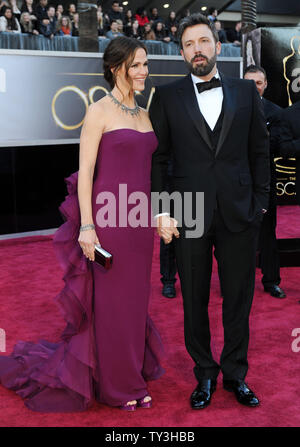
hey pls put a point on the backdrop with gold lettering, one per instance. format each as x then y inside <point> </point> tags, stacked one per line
<point>44,95</point>
<point>277,50</point>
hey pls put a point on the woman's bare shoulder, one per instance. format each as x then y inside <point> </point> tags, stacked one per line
<point>100,106</point>
<point>100,111</point>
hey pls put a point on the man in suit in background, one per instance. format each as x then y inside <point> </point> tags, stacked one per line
<point>214,129</point>
<point>234,35</point>
<point>289,144</point>
<point>269,255</point>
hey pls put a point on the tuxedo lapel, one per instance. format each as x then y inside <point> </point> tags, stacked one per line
<point>187,93</point>
<point>229,107</point>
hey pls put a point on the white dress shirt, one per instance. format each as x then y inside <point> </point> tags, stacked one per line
<point>210,101</point>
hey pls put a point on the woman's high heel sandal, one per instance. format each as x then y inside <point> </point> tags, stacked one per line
<point>128,407</point>
<point>144,404</point>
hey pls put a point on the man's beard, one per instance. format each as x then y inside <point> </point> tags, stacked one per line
<point>202,69</point>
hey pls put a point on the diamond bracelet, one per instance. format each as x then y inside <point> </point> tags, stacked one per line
<point>87,227</point>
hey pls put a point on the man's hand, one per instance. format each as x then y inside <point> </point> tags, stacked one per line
<point>166,228</point>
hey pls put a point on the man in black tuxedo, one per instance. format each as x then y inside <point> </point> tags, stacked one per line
<point>269,254</point>
<point>213,126</point>
<point>289,145</point>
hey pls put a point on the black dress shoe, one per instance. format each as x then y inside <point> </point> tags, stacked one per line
<point>242,392</point>
<point>201,396</point>
<point>275,291</point>
<point>169,291</point>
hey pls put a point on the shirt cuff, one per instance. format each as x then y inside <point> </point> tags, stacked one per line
<point>161,214</point>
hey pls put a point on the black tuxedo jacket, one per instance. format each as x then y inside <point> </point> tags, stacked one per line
<point>236,175</point>
<point>273,119</point>
<point>290,139</point>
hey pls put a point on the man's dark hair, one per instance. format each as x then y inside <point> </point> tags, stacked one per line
<point>255,69</point>
<point>196,19</point>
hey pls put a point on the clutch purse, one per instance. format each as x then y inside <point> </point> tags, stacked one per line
<point>102,257</point>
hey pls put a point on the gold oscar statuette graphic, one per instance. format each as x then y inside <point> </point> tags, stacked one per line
<point>291,70</point>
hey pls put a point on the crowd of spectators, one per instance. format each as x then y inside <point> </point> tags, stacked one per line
<point>41,17</point>
<point>142,24</point>
<point>231,35</point>
<point>38,18</point>
<point>149,25</point>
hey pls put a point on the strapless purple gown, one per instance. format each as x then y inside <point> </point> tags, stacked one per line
<point>110,347</point>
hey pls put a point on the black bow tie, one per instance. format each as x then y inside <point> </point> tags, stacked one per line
<point>213,83</point>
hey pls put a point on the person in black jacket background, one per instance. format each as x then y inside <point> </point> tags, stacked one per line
<point>269,255</point>
<point>40,11</point>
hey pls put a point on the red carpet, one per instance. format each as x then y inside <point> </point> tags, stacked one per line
<point>29,280</point>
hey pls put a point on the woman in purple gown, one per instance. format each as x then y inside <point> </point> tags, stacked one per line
<point>110,347</point>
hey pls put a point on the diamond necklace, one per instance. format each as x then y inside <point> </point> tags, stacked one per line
<point>133,112</point>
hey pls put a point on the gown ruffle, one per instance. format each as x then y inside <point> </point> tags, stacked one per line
<point>62,376</point>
